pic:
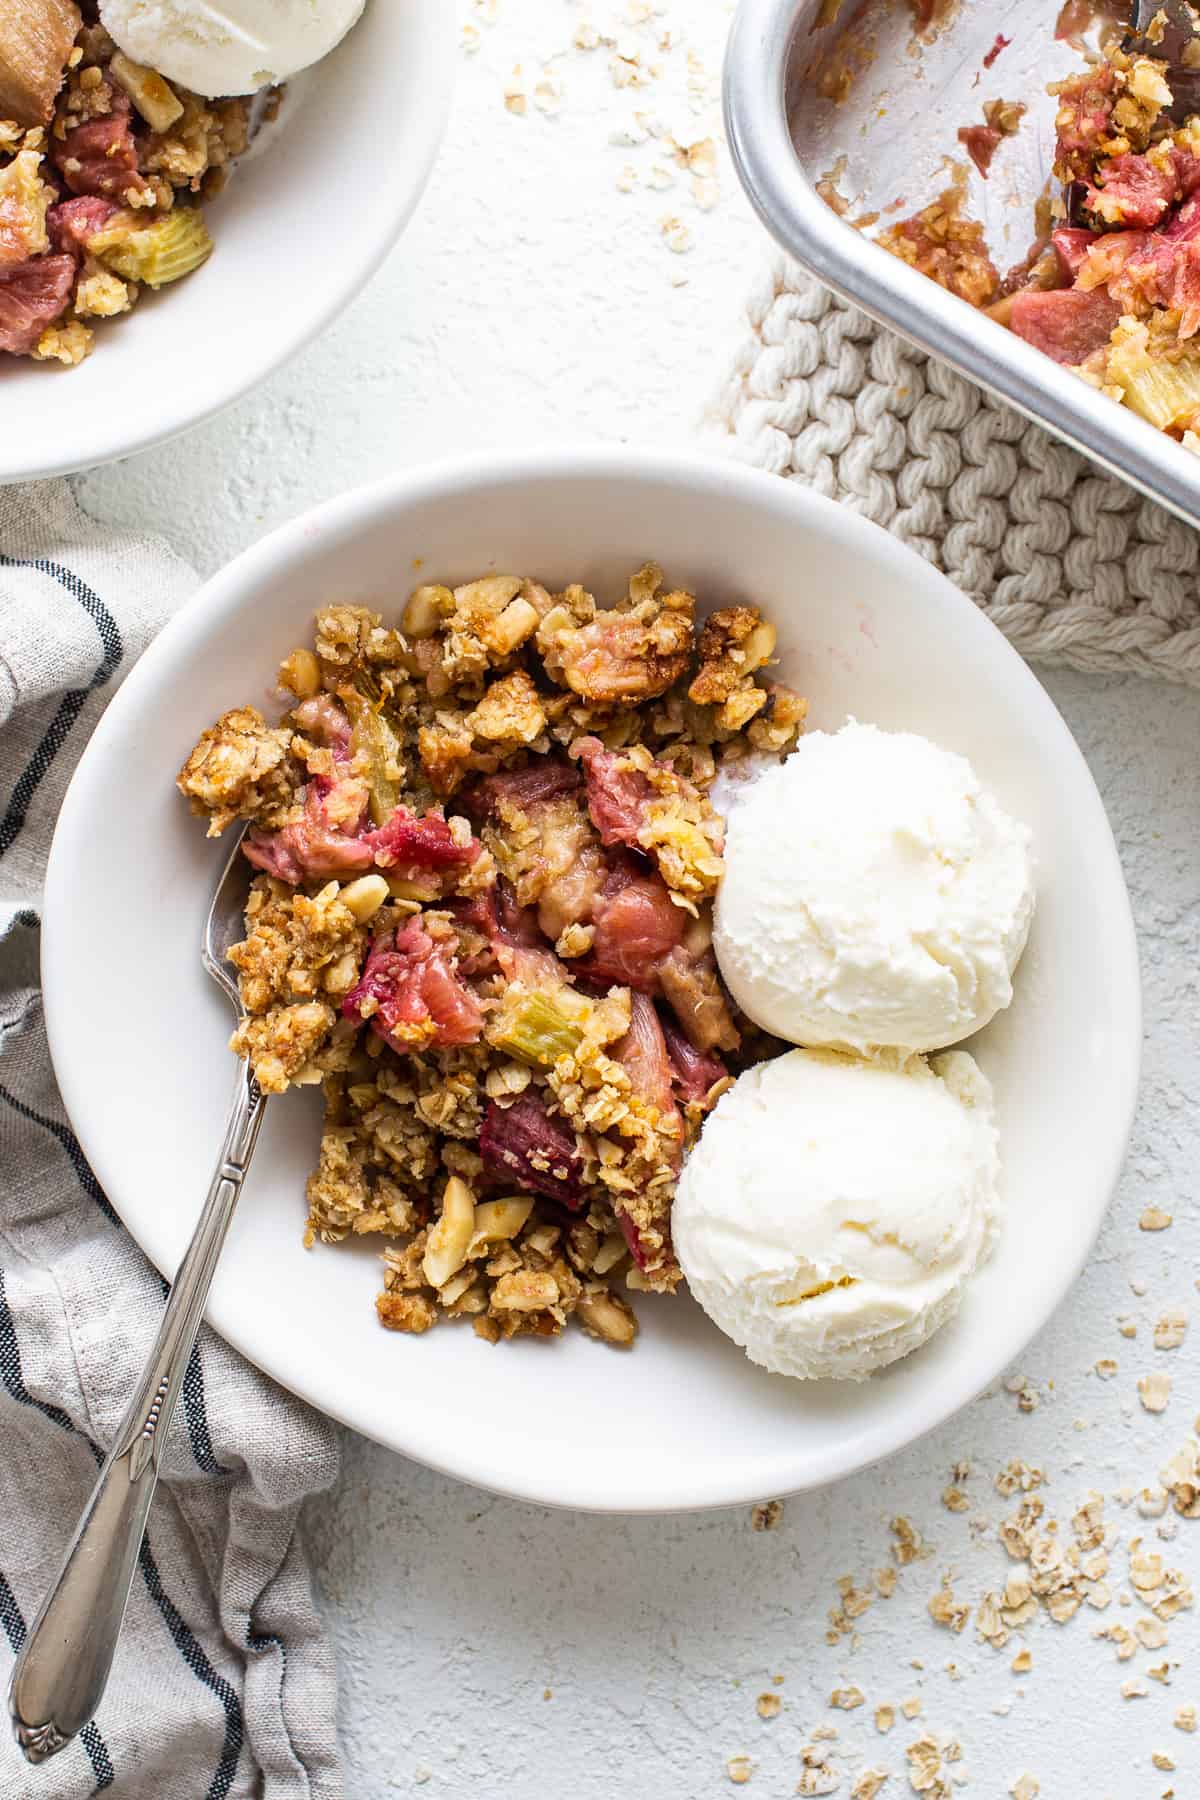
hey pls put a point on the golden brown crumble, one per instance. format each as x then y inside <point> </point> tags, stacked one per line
<point>634,652</point>
<point>144,143</point>
<point>507,1098</point>
<point>941,242</point>
<point>68,343</point>
<point>240,769</point>
<point>734,643</point>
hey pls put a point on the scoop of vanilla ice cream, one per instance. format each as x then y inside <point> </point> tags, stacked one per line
<point>874,894</point>
<point>834,1208</point>
<point>235,47</point>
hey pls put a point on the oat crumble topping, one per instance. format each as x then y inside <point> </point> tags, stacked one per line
<point>104,169</point>
<point>481,923</point>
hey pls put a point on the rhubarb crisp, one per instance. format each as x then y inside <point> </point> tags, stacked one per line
<point>481,921</point>
<point>104,167</point>
<point>1111,286</point>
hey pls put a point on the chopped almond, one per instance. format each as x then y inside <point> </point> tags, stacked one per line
<point>36,38</point>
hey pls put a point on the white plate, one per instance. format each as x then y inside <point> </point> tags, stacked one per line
<point>302,226</point>
<point>138,1033</point>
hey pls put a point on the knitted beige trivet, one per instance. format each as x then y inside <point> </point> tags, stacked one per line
<point>1073,566</point>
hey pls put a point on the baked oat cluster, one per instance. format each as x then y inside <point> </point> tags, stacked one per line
<point>1111,285</point>
<point>481,921</point>
<point>104,167</point>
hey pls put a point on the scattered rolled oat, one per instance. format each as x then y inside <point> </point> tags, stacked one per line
<point>739,1770</point>
<point>819,1780</point>
<point>1025,1788</point>
<point>766,1515</point>
<point>1106,1368</point>
<point>910,1707</point>
<point>853,1604</point>
<point>1154,1391</point>
<point>954,1500</point>
<point>1171,1329</point>
<point>945,1610</point>
<point>1145,1568</point>
<point>907,1543</point>
<point>1154,1219</point>
<point>678,236</point>
<point>1016,1533</point>
<point>989,1623</point>
<point>1176,1595</point>
<point>1022,1662</point>
<point>768,1706</point>
<point>1160,1672</point>
<point>1020,1475</point>
<point>1185,1718</point>
<point>1161,1760</point>
<point>820,1776</point>
<point>548,94</point>
<point>847,1698</point>
<point>1087,1522</point>
<point>1134,1690</point>
<point>925,1767</point>
<point>885,1718</point>
<point>1127,1326</point>
<point>626,71</point>
<point>514,94</point>
<point>885,1583</point>
<point>1124,1640</point>
<point>868,1784</point>
<point>1181,1478</point>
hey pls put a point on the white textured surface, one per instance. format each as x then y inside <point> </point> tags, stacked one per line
<point>533,300</point>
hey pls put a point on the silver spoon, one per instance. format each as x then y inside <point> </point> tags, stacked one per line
<point>63,1667</point>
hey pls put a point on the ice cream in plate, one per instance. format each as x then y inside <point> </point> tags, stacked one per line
<point>875,901</point>
<point>835,1207</point>
<point>875,892</point>
<point>235,47</point>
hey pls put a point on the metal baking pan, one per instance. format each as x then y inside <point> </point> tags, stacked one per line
<point>883,141</point>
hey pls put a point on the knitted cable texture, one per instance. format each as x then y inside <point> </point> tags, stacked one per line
<point>1073,566</point>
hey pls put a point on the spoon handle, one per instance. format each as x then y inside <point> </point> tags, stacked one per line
<point>62,1669</point>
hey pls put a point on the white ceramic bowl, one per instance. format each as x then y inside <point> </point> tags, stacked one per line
<point>138,1033</point>
<point>302,226</point>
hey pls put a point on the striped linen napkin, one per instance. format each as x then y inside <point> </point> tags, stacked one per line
<point>223,1686</point>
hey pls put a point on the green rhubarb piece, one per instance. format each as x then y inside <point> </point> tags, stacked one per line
<point>163,250</point>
